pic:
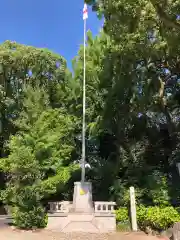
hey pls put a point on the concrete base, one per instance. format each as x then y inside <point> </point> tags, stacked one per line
<point>82,198</point>
<point>81,216</point>
<point>90,223</point>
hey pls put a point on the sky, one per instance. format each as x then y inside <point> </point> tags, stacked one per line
<point>53,24</point>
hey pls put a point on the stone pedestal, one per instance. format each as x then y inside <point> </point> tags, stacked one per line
<point>80,215</point>
<point>82,198</point>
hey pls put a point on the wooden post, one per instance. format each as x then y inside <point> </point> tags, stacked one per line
<point>133,209</point>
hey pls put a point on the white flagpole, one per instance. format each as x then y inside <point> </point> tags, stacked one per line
<point>84,111</point>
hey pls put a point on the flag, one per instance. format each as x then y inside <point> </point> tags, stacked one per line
<point>85,12</point>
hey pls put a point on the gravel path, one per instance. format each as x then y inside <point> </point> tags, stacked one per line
<point>6,233</point>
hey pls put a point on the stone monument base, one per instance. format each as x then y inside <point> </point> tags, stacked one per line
<point>82,215</point>
<point>82,198</point>
<point>91,223</point>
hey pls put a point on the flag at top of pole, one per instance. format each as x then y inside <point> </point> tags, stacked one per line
<point>85,12</point>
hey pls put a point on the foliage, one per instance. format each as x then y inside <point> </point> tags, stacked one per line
<point>122,215</point>
<point>132,110</point>
<point>34,217</point>
<point>131,135</point>
<point>156,218</point>
<point>21,65</point>
<point>122,219</point>
<point>139,77</point>
<point>37,165</point>
<point>158,189</point>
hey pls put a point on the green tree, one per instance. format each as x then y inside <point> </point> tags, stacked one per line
<point>139,77</point>
<point>21,65</point>
<point>38,162</point>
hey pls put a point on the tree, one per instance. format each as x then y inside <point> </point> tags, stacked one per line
<point>165,10</point>
<point>21,65</point>
<point>139,75</point>
<point>132,108</point>
<point>38,163</point>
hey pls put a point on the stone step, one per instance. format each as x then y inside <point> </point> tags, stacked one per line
<point>80,227</point>
<point>82,223</point>
<point>80,217</point>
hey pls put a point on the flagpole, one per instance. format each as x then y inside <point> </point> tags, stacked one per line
<point>84,111</point>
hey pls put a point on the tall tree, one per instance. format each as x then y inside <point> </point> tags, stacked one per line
<point>38,162</point>
<point>139,75</point>
<point>21,65</point>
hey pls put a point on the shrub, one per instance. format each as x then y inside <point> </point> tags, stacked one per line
<point>35,218</point>
<point>157,186</point>
<point>155,217</point>
<point>122,215</point>
<point>122,218</point>
<point>158,218</point>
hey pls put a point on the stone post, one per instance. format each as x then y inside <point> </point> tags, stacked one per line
<point>133,209</point>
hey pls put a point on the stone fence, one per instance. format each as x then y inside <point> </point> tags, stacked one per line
<point>59,207</point>
<point>66,206</point>
<point>104,207</point>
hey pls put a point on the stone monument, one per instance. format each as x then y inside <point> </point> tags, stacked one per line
<point>82,214</point>
<point>82,197</point>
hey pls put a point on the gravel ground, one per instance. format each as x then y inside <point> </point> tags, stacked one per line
<point>6,233</point>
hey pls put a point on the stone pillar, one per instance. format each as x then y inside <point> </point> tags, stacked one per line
<point>82,197</point>
<point>133,209</point>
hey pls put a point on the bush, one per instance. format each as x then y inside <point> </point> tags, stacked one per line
<point>157,218</point>
<point>157,188</point>
<point>122,215</point>
<point>122,218</point>
<point>35,218</point>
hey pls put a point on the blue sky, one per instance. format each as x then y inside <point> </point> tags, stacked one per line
<point>53,24</point>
